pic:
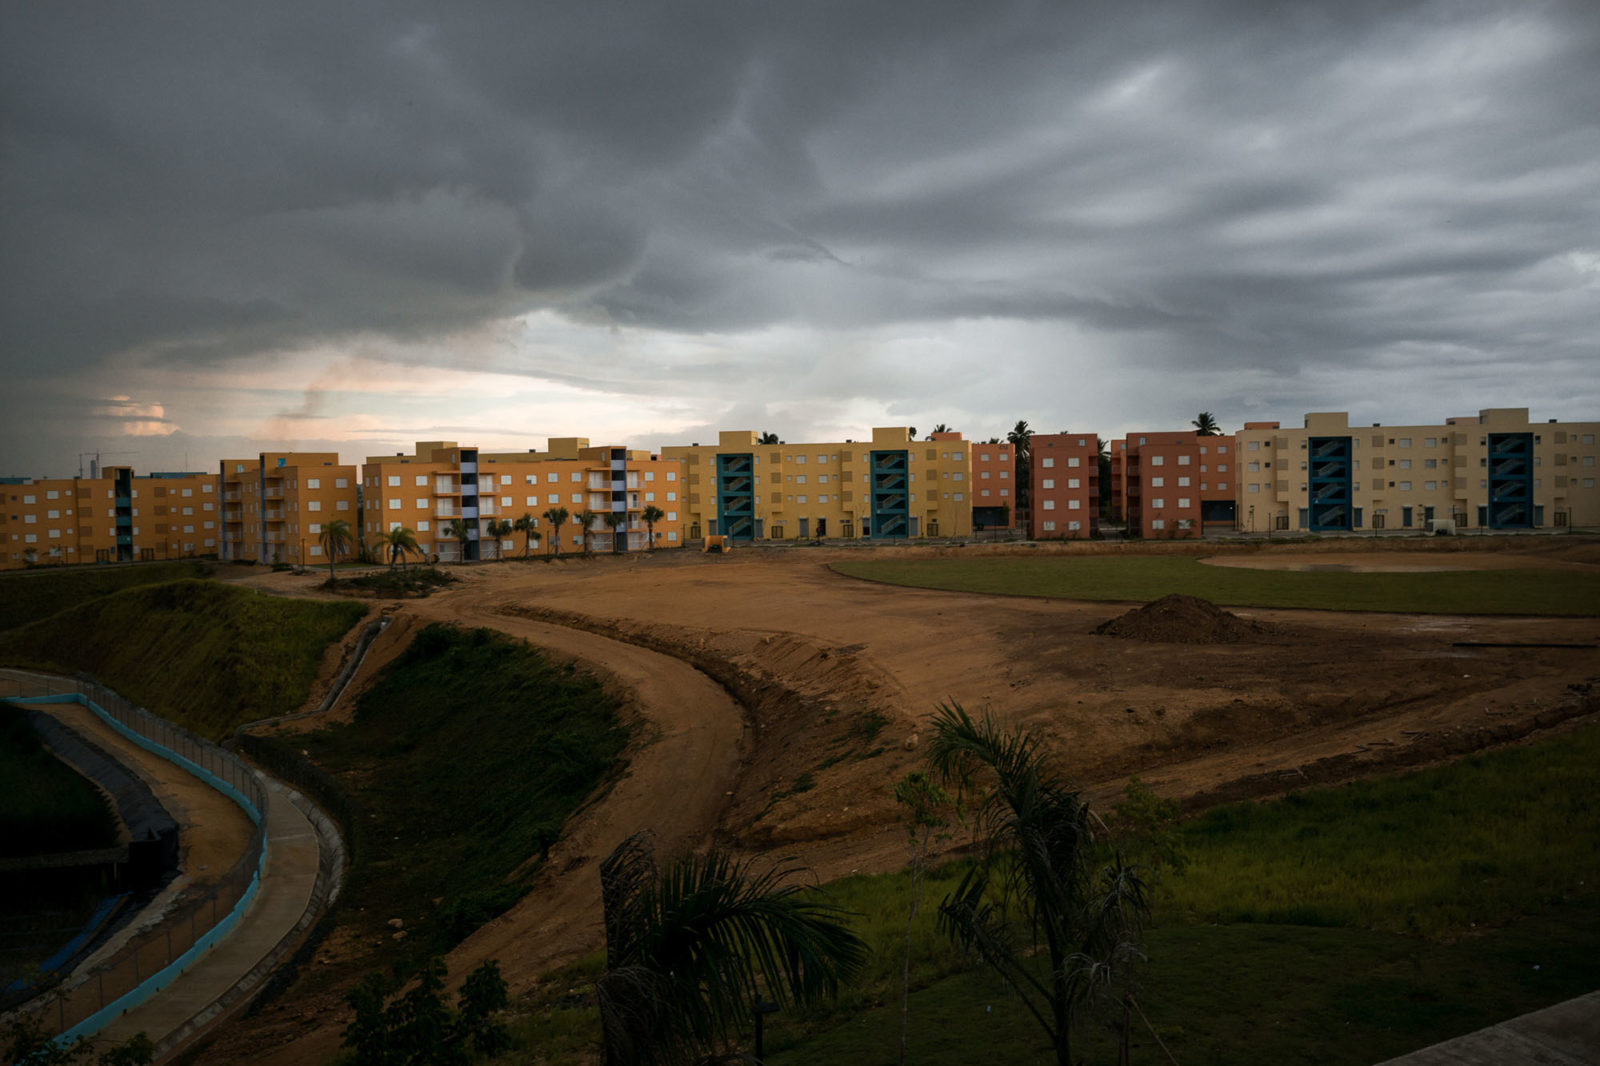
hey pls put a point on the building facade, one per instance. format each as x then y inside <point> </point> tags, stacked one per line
<point>112,517</point>
<point>1174,484</point>
<point>450,494</point>
<point>994,486</point>
<point>889,487</point>
<point>275,505</point>
<point>1064,486</point>
<point>1497,470</point>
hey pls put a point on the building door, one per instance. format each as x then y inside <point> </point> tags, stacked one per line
<point>822,528</point>
<point>805,528</point>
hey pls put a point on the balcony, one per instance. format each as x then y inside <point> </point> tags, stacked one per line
<point>273,514</point>
<point>273,493</point>
<point>231,497</point>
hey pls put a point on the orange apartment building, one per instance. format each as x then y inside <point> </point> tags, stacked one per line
<point>994,486</point>
<point>1176,484</point>
<point>1064,486</point>
<point>275,505</point>
<point>111,517</point>
<point>444,483</point>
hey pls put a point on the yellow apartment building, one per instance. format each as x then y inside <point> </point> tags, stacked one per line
<point>178,515</point>
<point>445,483</point>
<point>275,505</point>
<point>112,517</point>
<point>1495,471</point>
<point>890,486</point>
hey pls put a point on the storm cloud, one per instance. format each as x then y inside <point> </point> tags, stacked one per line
<point>643,221</point>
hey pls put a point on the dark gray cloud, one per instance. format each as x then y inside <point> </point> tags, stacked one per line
<point>1246,191</point>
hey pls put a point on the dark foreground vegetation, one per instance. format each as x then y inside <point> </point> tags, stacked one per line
<point>396,583</point>
<point>462,764</point>
<point>29,595</point>
<point>205,655</point>
<point>1143,578</point>
<point>1338,925</point>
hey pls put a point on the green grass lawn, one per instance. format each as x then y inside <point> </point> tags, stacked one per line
<point>30,595</point>
<point>1342,925</point>
<point>463,761</point>
<point>1144,578</point>
<point>205,655</point>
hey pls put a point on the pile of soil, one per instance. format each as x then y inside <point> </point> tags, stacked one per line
<point>1179,619</point>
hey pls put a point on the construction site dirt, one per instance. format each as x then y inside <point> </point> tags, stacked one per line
<point>779,701</point>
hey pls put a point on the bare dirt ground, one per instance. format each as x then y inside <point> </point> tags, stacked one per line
<point>824,685</point>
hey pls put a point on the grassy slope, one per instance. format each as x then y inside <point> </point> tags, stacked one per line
<point>1123,578</point>
<point>469,753</point>
<point>30,595</point>
<point>1296,932</point>
<point>45,805</point>
<point>204,655</point>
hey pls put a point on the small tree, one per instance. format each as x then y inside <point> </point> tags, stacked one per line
<point>768,438</point>
<point>530,535</point>
<point>499,530</point>
<point>335,539</point>
<point>687,949</point>
<point>586,519</point>
<point>615,520</point>
<point>419,1028</point>
<point>929,812</point>
<point>461,530</point>
<point>557,517</point>
<point>651,515</point>
<point>1039,859</point>
<point>401,541</point>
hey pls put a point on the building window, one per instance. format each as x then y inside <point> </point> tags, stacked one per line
<point>1049,527</point>
<point>1072,460</point>
<point>1049,482</point>
<point>1158,460</point>
<point>394,481</point>
<point>1074,505</point>
<point>1183,501</point>
<point>1049,505</point>
<point>1158,523</point>
<point>1158,503</point>
<point>1047,462</point>
<point>1158,482</point>
<point>394,505</point>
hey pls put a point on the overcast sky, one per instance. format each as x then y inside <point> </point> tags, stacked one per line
<point>233,227</point>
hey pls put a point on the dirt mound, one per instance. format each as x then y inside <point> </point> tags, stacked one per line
<point>1179,619</point>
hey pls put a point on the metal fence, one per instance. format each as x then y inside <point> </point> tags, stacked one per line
<point>152,957</point>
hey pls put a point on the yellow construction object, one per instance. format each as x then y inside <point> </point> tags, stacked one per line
<point>717,543</point>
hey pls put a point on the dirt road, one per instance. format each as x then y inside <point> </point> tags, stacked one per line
<point>835,679</point>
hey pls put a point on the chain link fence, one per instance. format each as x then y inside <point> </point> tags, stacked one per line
<point>154,955</point>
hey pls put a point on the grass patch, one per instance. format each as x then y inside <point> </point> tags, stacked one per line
<point>1144,578</point>
<point>205,655</point>
<point>1436,852</point>
<point>45,805</point>
<point>29,595</point>
<point>1340,925</point>
<point>397,583</point>
<point>465,760</point>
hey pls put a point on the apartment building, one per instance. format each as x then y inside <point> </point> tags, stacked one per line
<point>1497,470</point>
<point>179,514</point>
<point>1174,484</point>
<point>446,488</point>
<point>889,486</point>
<point>1064,486</point>
<point>994,485</point>
<point>114,516</point>
<point>275,505</point>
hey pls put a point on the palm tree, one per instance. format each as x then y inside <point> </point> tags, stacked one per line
<point>1021,438</point>
<point>651,515</point>
<point>768,438</point>
<point>1039,859</point>
<point>615,520</point>
<point>1206,426</point>
<point>557,517</point>
<point>940,428</point>
<point>586,519</point>
<point>401,541</point>
<point>499,530</point>
<point>335,540</point>
<point>687,949</point>
<point>524,525</point>
<point>461,530</point>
